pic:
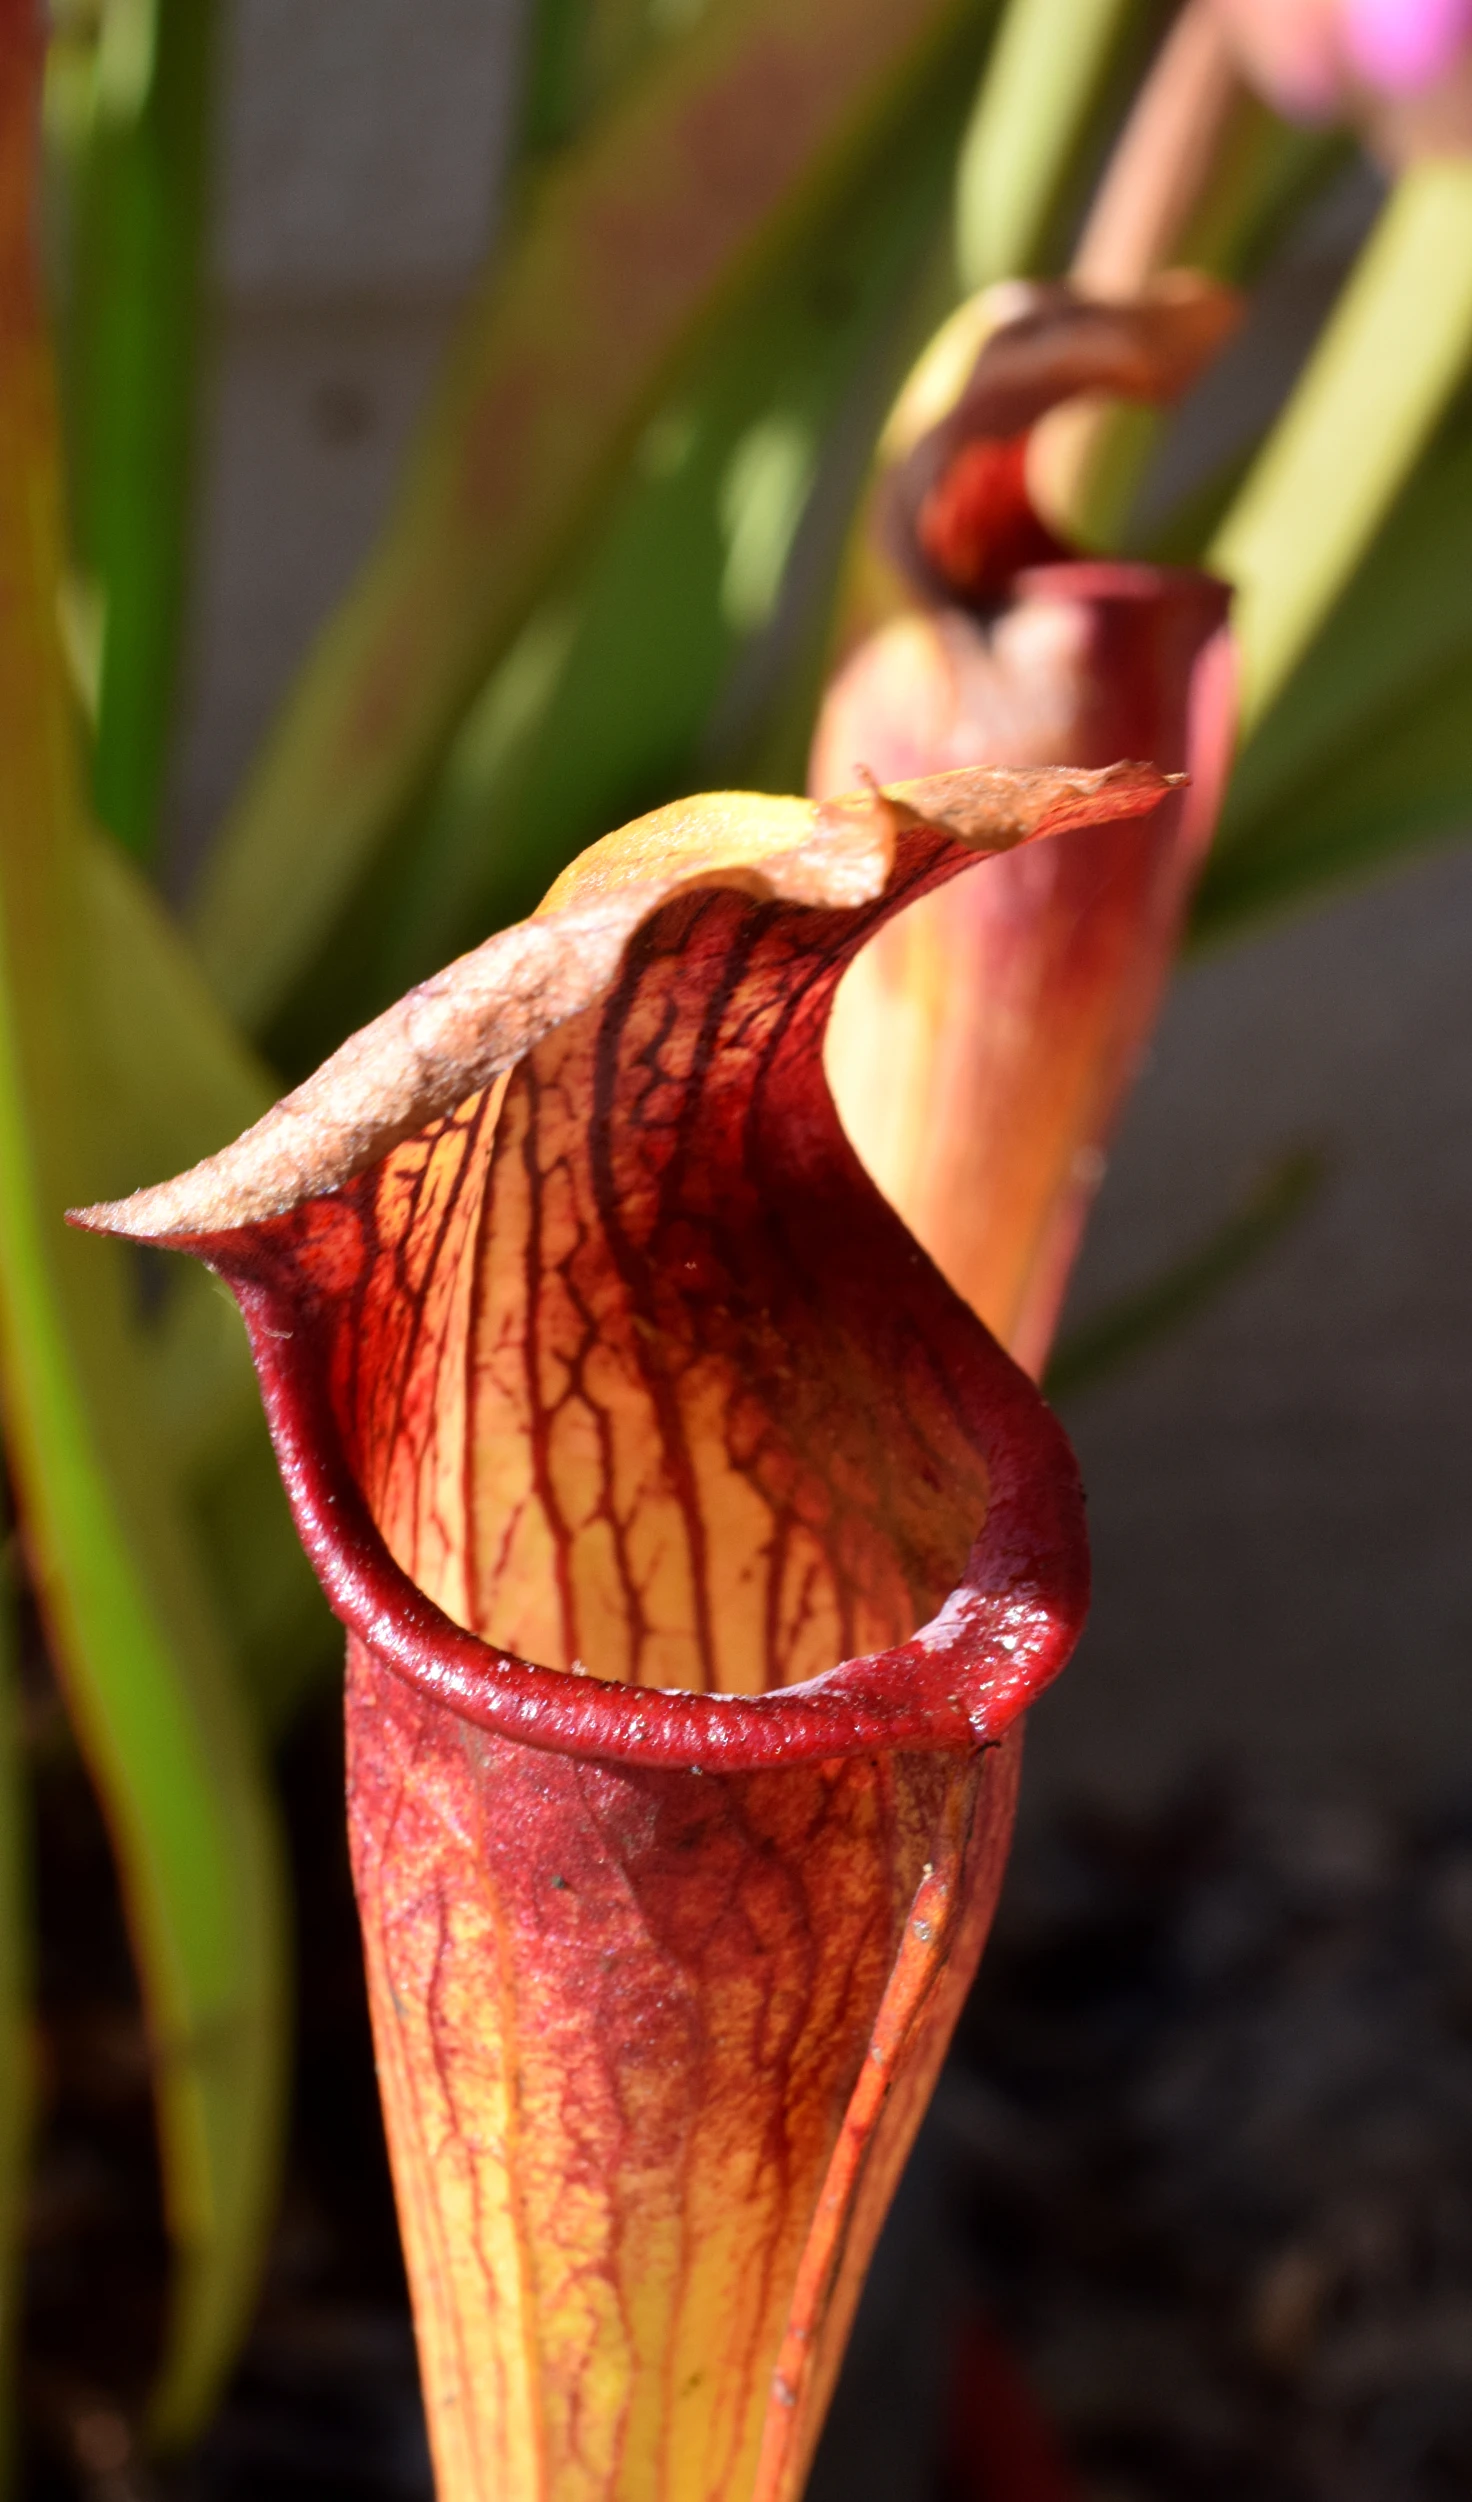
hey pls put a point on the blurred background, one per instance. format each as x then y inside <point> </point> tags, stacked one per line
<point>1212,2109</point>
<point>1279,1493</point>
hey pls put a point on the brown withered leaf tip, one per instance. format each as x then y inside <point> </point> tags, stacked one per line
<point>452,1034</point>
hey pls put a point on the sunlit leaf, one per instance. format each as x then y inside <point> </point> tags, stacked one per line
<point>1402,621</point>
<point>1049,64</point>
<point>639,235</point>
<point>1376,387</point>
<point>140,1656</point>
<point>1366,751</point>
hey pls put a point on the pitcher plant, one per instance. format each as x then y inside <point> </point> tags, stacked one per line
<point>699,1552</point>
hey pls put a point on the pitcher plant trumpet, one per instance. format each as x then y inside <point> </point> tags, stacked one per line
<point>699,1552</point>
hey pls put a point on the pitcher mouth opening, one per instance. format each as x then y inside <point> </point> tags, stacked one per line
<point>955,1685</point>
<point>574,1312</point>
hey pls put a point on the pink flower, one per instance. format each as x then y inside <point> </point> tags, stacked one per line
<point>1404,46</point>
<point>1400,65</point>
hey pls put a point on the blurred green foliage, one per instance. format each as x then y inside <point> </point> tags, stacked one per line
<point>647,606</point>
<point>131,98</point>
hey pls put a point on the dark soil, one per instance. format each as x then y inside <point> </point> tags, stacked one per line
<point>1209,2131</point>
<point>1196,2192</point>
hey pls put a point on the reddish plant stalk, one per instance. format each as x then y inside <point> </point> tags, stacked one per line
<point>981,1047</point>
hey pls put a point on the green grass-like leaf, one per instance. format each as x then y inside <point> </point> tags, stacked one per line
<point>1406,615</point>
<point>1369,748</point>
<point>1375,390</point>
<point>141,1658</point>
<point>139,185</point>
<point>1051,63</point>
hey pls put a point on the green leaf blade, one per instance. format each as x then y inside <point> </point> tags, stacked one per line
<point>141,1659</point>
<point>1376,387</point>
<point>132,350</point>
<point>1049,64</point>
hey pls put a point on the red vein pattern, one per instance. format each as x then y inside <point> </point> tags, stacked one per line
<point>699,1552</point>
